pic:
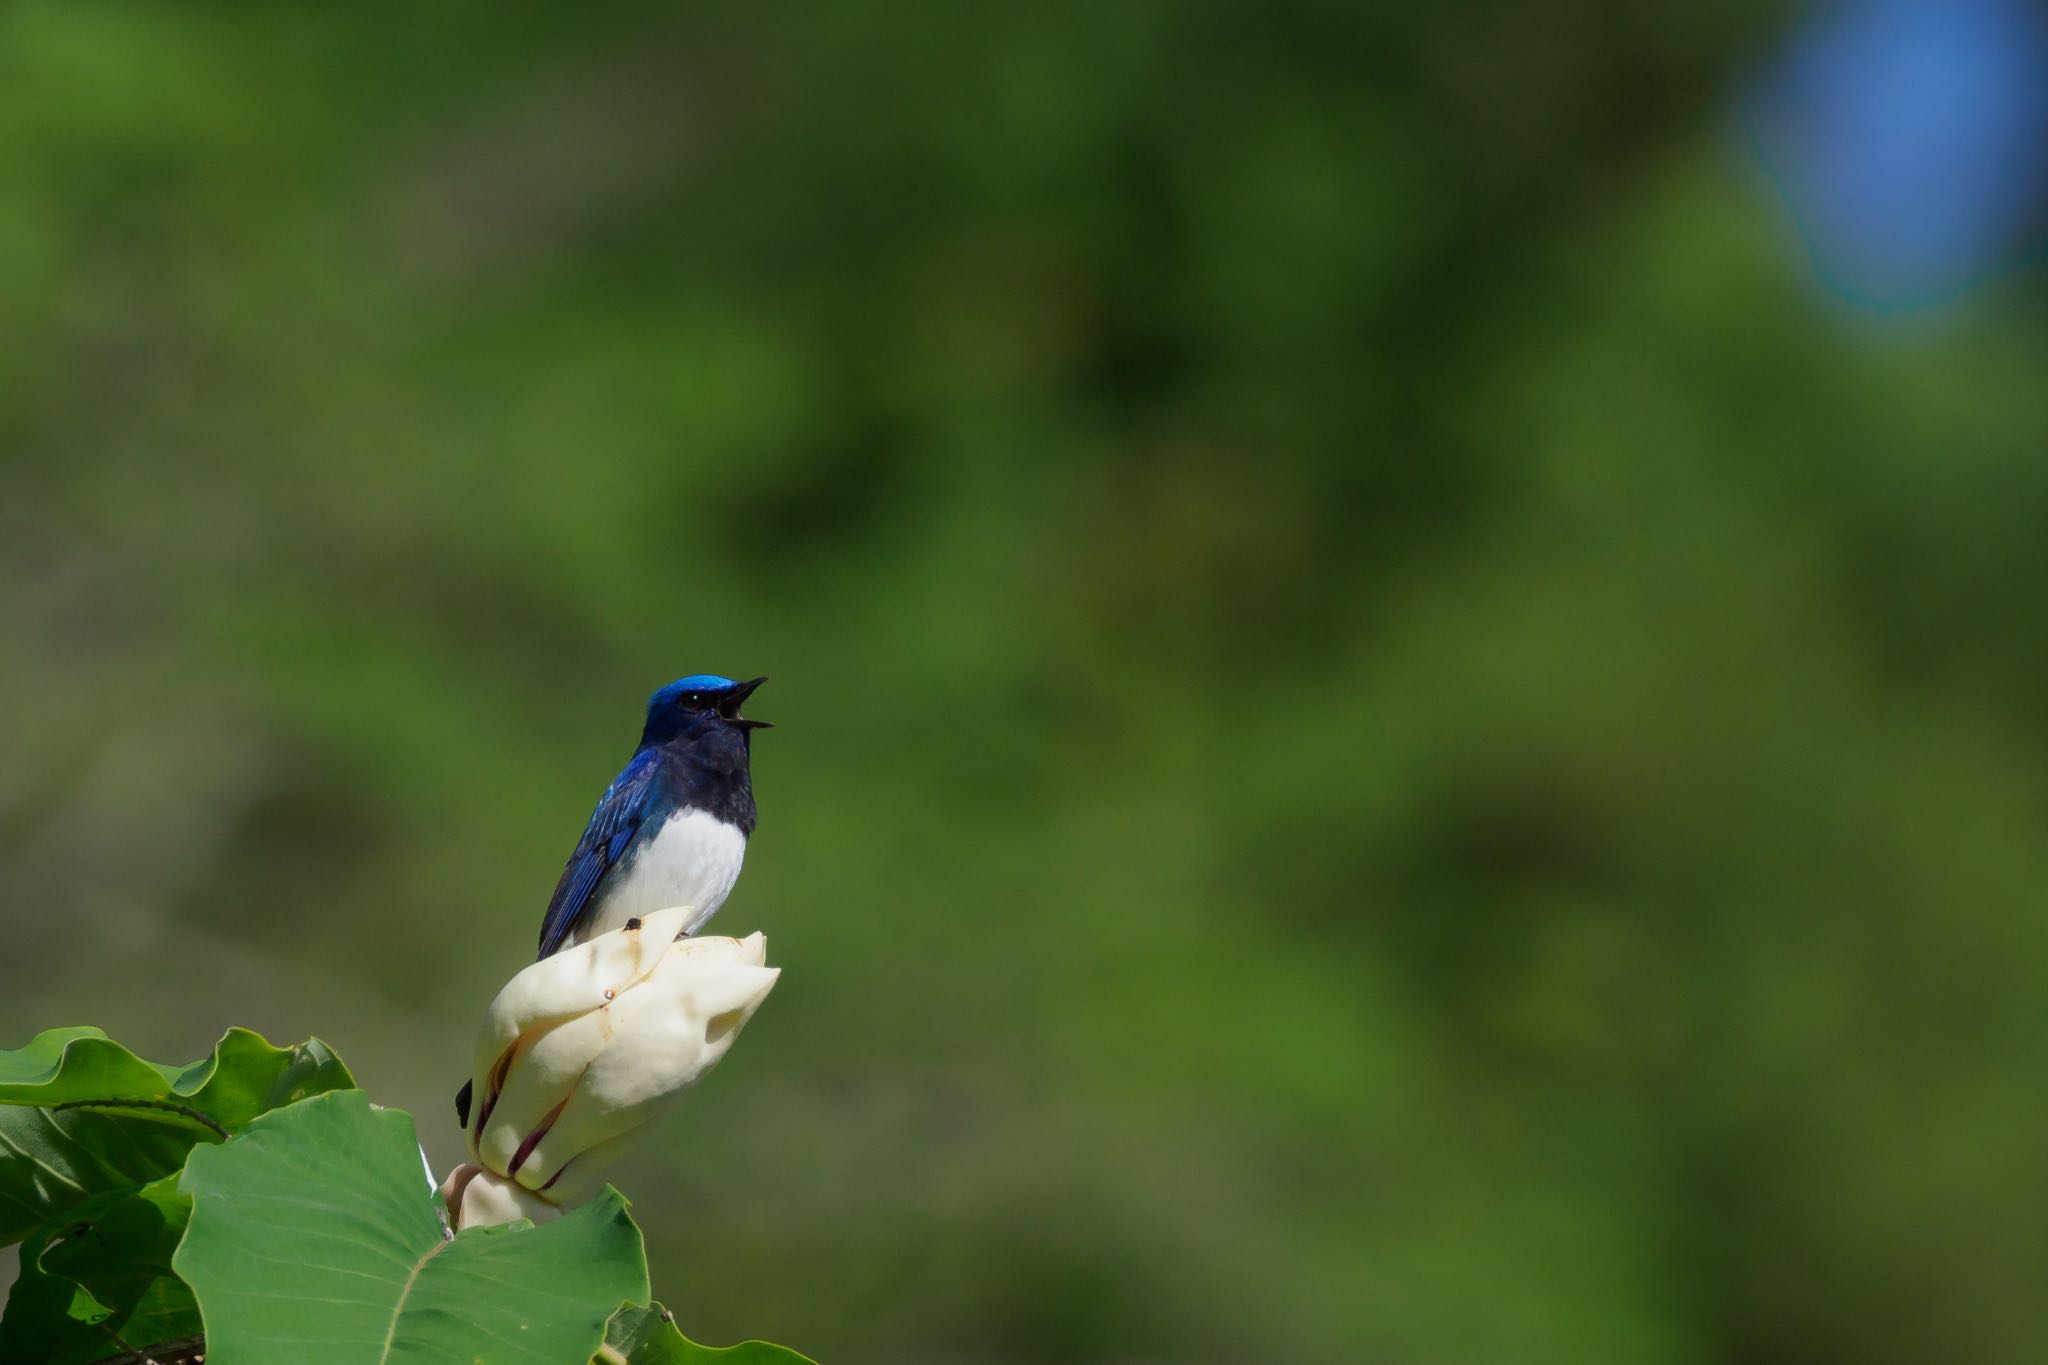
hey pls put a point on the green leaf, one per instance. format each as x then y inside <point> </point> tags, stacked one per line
<point>648,1336</point>
<point>99,1281</point>
<point>314,1236</point>
<point>81,1115</point>
<point>243,1077</point>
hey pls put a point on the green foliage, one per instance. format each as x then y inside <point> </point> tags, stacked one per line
<point>314,1236</point>
<point>81,1115</point>
<point>1394,744</point>
<point>257,1196</point>
<point>101,1278</point>
<point>648,1336</point>
<point>92,1138</point>
<point>244,1075</point>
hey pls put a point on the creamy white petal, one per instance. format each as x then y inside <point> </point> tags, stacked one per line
<point>488,1200</point>
<point>584,1175</point>
<point>550,1064</point>
<point>576,979</point>
<point>673,1042</point>
<point>571,1069</point>
<point>555,989</point>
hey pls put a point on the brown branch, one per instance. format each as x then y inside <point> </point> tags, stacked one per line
<point>183,1351</point>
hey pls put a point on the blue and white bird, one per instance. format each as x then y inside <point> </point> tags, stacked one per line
<point>672,828</point>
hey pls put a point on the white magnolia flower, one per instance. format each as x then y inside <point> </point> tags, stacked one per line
<point>582,1050</point>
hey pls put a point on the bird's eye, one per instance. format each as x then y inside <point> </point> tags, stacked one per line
<point>693,700</point>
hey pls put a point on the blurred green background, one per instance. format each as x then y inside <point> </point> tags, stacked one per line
<point>1397,741</point>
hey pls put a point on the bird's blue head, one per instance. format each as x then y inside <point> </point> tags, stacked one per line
<point>702,710</point>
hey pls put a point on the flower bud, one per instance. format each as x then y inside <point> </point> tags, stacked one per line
<point>479,1199</point>
<point>584,1049</point>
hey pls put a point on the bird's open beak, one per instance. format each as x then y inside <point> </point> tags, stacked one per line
<point>729,706</point>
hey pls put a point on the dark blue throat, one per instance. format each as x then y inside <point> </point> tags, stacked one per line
<point>707,771</point>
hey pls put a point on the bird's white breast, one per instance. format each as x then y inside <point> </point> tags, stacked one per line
<point>692,860</point>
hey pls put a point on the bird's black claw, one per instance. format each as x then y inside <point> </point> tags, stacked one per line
<point>462,1106</point>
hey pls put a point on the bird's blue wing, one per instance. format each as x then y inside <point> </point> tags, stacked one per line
<point>612,828</point>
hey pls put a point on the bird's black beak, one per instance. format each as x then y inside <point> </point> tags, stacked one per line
<point>729,706</point>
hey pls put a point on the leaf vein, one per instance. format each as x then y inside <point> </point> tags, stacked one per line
<point>398,1308</point>
<point>34,1160</point>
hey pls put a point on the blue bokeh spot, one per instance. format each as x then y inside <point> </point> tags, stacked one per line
<point>1910,139</point>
